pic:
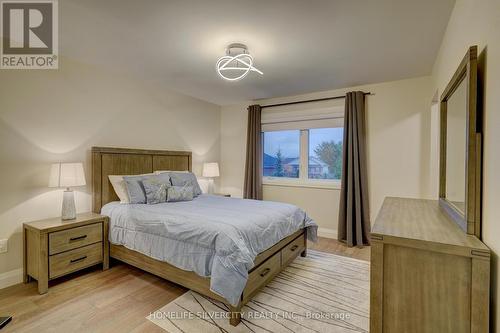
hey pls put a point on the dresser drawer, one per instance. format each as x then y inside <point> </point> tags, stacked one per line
<point>292,250</point>
<point>74,260</point>
<point>260,276</point>
<point>73,238</point>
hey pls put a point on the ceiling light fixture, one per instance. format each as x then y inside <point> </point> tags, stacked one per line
<point>236,64</point>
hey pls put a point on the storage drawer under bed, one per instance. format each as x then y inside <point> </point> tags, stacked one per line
<point>292,250</point>
<point>262,275</point>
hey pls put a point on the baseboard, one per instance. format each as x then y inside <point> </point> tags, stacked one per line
<point>327,233</point>
<point>11,278</point>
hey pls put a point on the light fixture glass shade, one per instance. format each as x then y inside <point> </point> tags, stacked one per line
<point>211,170</point>
<point>67,175</point>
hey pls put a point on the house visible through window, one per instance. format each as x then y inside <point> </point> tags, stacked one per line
<point>281,154</point>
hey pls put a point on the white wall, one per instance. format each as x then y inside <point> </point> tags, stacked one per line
<point>57,115</point>
<point>478,23</point>
<point>233,148</point>
<point>399,145</point>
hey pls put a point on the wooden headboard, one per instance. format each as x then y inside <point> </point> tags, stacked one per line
<point>124,161</point>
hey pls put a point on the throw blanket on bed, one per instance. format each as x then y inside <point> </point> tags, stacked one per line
<point>213,236</point>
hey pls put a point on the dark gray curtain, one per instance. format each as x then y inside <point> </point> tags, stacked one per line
<point>354,216</point>
<point>252,188</point>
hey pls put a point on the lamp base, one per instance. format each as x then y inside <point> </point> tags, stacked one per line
<point>210,186</point>
<point>68,206</point>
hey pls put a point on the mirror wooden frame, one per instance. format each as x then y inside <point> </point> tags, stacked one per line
<point>470,219</point>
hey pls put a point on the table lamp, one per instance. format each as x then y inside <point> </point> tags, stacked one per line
<point>210,170</point>
<point>67,175</point>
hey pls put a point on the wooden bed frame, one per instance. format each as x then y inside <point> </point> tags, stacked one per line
<point>124,161</point>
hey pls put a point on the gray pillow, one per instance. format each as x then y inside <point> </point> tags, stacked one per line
<point>135,188</point>
<point>156,190</point>
<point>185,179</point>
<point>179,193</point>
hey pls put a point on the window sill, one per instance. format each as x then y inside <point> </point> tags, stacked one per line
<point>290,182</point>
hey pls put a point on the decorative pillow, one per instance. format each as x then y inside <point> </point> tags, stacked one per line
<point>120,187</point>
<point>186,179</point>
<point>135,188</point>
<point>156,190</point>
<point>180,193</point>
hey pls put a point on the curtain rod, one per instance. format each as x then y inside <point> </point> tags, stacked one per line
<point>308,101</point>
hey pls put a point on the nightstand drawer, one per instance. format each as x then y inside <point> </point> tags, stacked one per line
<point>74,260</point>
<point>73,238</point>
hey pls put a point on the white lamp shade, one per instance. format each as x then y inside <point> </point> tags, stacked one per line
<point>211,170</point>
<point>67,175</point>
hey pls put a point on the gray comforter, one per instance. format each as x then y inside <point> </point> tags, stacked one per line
<point>212,236</point>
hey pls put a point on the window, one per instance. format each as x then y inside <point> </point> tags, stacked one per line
<point>325,153</point>
<point>281,154</point>
<point>303,146</point>
<point>307,157</point>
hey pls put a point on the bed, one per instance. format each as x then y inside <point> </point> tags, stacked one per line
<point>223,248</point>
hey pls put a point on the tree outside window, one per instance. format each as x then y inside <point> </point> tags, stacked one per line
<point>325,153</point>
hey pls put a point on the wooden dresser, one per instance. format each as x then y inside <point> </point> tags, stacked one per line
<point>427,275</point>
<point>53,247</point>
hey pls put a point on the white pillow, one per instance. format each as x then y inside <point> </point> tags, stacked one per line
<point>120,186</point>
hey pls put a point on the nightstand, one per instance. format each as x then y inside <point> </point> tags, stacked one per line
<point>223,194</point>
<point>53,247</point>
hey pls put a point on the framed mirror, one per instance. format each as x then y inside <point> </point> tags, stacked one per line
<point>460,147</point>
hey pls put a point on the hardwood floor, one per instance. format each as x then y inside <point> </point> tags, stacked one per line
<point>336,247</point>
<point>116,300</point>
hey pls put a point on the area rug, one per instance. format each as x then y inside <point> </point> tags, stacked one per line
<point>320,293</point>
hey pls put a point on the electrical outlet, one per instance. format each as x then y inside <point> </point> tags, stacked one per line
<point>3,245</point>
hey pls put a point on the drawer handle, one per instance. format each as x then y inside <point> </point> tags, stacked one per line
<point>72,261</point>
<point>77,238</point>
<point>264,272</point>
<point>294,248</point>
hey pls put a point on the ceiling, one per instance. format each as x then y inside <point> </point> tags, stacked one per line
<point>301,46</point>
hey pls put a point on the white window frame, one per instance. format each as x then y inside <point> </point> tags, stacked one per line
<point>303,180</point>
<point>303,119</point>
